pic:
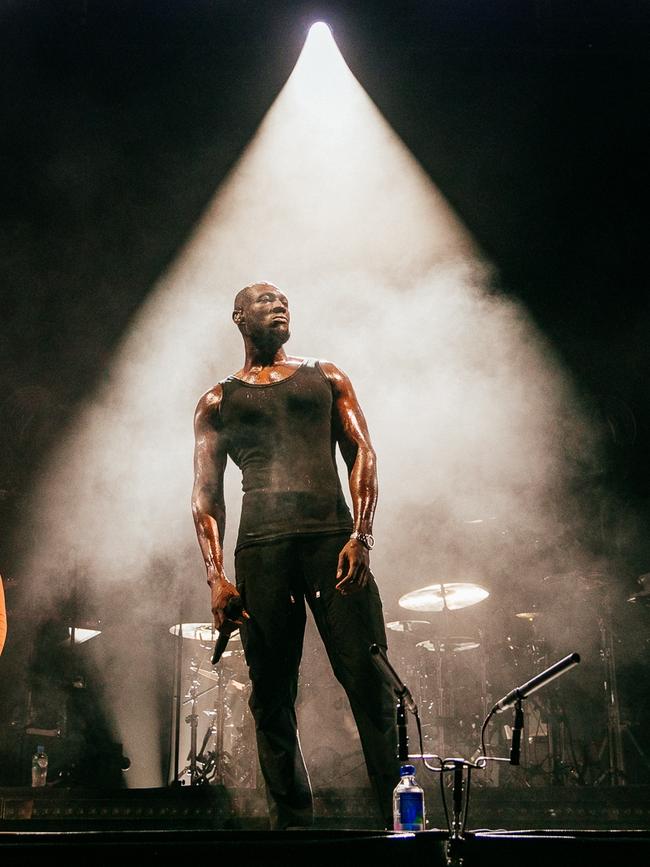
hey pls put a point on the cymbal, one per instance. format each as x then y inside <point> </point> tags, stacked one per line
<point>233,656</point>
<point>83,633</point>
<point>438,597</point>
<point>449,644</point>
<point>406,627</point>
<point>204,632</point>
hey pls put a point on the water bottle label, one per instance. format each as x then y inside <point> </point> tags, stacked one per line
<point>411,811</point>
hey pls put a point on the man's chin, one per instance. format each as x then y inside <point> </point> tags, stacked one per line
<point>274,338</point>
<point>280,331</point>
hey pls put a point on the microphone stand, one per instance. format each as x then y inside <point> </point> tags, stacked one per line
<point>457,800</point>
<point>517,728</point>
<point>402,731</point>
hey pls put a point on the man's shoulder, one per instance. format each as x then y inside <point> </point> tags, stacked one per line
<point>330,370</point>
<point>210,401</point>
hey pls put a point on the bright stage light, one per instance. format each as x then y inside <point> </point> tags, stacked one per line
<point>320,31</point>
<point>321,73</point>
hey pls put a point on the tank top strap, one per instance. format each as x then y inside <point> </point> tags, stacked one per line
<point>307,364</point>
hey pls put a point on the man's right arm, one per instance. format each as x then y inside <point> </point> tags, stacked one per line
<point>208,504</point>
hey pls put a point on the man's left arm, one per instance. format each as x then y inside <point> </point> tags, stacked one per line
<point>351,432</point>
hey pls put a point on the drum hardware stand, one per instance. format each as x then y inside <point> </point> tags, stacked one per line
<point>176,704</point>
<point>443,712</point>
<point>213,763</point>
<point>485,697</point>
<point>563,761</point>
<point>205,766</point>
<point>613,741</point>
<point>626,729</point>
<point>200,776</point>
<point>616,728</point>
<point>192,718</point>
<point>442,699</point>
<point>208,758</point>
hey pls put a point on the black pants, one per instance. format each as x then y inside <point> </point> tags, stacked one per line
<point>274,580</point>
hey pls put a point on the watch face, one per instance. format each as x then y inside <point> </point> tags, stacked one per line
<point>365,539</point>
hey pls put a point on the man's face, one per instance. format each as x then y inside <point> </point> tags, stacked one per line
<point>266,315</point>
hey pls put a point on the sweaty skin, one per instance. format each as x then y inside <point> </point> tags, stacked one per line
<point>262,316</point>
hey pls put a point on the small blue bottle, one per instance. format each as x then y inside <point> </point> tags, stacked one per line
<point>39,767</point>
<point>408,802</point>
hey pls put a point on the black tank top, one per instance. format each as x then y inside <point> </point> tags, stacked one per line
<point>280,436</point>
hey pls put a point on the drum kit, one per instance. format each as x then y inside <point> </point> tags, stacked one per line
<point>445,667</point>
<point>453,670</point>
<point>456,677</point>
<point>216,696</point>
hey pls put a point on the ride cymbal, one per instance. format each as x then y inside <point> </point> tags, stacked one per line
<point>438,597</point>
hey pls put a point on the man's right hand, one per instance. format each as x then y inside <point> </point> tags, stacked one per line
<point>222,591</point>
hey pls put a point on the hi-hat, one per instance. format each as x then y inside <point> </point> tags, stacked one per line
<point>204,632</point>
<point>409,627</point>
<point>531,616</point>
<point>449,644</point>
<point>438,597</point>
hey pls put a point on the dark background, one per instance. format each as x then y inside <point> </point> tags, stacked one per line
<point>119,120</point>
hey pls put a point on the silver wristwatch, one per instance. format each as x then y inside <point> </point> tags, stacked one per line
<point>365,539</point>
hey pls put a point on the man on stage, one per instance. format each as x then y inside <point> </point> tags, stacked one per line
<point>279,419</point>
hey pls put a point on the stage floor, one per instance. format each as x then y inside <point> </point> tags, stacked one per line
<point>559,826</point>
<point>273,849</point>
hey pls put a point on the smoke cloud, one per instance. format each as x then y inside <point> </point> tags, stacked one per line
<point>481,436</point>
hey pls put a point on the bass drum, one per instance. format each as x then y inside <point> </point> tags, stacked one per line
<point>451,689</point>
<point>514,656</point>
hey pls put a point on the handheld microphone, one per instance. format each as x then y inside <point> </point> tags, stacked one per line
<point>233,611</point>
<point>536,682</point>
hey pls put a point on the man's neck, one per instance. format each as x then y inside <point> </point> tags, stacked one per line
<point>259,357</point>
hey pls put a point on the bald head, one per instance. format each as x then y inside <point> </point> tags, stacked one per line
<point>248,292</point>
<point>262,315</point>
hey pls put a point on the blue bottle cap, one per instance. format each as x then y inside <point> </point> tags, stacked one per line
<point>406,771</point>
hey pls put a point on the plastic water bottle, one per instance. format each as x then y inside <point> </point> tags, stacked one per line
<point>408,802</point>
<point>39,767</point>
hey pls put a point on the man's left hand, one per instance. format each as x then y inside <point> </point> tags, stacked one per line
<point>353,571</point>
